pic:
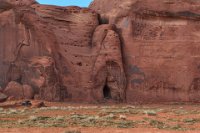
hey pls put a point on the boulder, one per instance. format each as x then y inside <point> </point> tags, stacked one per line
<point>38,104</point>
<point>28,92</point>
<point>3,97</point>
<point>18,91</point>
<point>15,90</point>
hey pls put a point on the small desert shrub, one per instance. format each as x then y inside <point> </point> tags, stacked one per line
<point>110,117</point>
<point>124,124</point>
<point>116,111</point>
<point>191,120</point>
<point>176,127</point>
<point>158,124</point>
<point>181,112</point>
<point>72,131</point>
<point>1,109</point>
<point>150,112</point>
<point>12,111</point>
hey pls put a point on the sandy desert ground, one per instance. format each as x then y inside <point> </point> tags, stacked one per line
<point>99,118</point>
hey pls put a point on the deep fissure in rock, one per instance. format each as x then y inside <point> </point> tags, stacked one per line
<point>107,92</point>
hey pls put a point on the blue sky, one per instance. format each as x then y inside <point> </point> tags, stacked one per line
<point>81,3</point>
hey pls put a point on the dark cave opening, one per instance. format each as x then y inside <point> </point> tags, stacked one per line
<point>107,92</point>
<point>103,20</point>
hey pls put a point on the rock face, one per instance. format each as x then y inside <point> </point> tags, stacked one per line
<point>160,41</point>
<point>43,75</point>
<point>61,52</point>
<point>130,50</point>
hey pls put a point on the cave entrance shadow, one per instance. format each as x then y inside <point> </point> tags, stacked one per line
<point>107,92</point>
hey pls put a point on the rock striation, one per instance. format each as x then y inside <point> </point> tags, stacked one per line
<point>121,51</point>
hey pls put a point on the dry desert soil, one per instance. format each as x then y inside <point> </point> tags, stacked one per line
<point>99,118</point>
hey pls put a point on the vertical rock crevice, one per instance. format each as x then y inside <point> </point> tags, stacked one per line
<point>108,70</point>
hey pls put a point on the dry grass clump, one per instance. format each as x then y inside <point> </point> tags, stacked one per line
<point>72,131</point>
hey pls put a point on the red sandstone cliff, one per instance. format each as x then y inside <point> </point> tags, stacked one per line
<point>130,50</point>
<point>62,52</point>
<point>161,49</point>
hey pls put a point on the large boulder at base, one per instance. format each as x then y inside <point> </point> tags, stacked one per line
<point>28,92</point>
<point>18,91</point>
<point>3,97</point>
<point>14,89</point>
